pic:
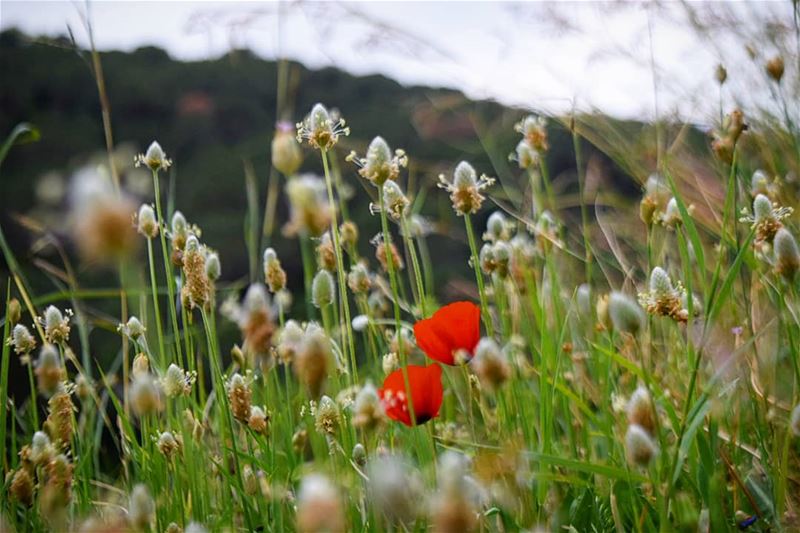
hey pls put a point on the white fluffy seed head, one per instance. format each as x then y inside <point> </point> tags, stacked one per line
<point>639,446</point>
<point>213,266</point>
<point>762,207</point>
<point>322,289</point>
<point>146,221</point>
<point>660,284</point>
<point>625,313</point>
<point>465,176</point>
<point>141,508</point>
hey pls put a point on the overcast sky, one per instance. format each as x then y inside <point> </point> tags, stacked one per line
<point>546,55</point>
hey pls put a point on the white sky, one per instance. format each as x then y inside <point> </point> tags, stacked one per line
<point>543,55</point>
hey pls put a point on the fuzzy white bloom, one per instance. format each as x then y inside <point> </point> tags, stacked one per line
<point>146,222</point>
<point>22,340</point>
<point>322,289</point>
<point>141,508</point>
<point>213,267</point>
<point>639,445</point>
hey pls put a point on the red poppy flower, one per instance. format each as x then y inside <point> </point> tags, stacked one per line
<point>426,394</point>
<point>452,329</point>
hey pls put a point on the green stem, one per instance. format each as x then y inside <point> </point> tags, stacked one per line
<point>157,312</point>
<point>487,320</point>
<point>415,265</point>
<point>340,269</point>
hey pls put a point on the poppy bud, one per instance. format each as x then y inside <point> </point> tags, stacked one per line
<point>721,74</point>
<point>322,289</point>
<point>147,224</point>
<point>639,446</point>
<point>359,454</point>
<point>625,313</point>
<point>14,311</point>
<point>141,508</point>
<point>774,68</point>
<point>286,154</point>
<point>787,255</point>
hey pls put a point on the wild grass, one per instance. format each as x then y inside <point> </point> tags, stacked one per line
<point>622,365</point>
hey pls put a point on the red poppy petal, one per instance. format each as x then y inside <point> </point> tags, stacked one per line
<point>462,321</point>
<point>426,393</point>
<point>430,342</point>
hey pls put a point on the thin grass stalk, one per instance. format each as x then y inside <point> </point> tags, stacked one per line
<point>415,265</point>
<point>156,309</point>
<point>487,317</point>
<point>345,303</point>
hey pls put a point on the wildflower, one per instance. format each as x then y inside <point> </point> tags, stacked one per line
<point>497,228</point>
<point>348,233</point>
<point>102,227</point>
<point>289,340</point>
<point>286,153</point>
<point>395,488</point>
<point>145,395</point>
<point>774,68</point>
<point>418,226</point>
<point>49,370</point>
<point>384,258</point>
<point>766,219</point>
<point>134,330</point>
<point>380,165</point>
<point>759,183</point>
<point>453,510</point>
<point>534,132</point>
<point>57,490</point>
<point>310,211</point>
<point>274,274</point>
<point>197,289</point>
<point>42,449</point>
<point>312,363</point>
<point>177,381</point>
<point>83,387</point>
<point>255,321</point>
<point>490,364</point>
<point>525,155</point>
<point>451,334</point>
<point>141,364</point>
<point>390,362</point>
<point>640,410</point>
<point>259,420</point>
<point>147,224</point>
<point>213,267</point>
<point>626,315</point>
<point>22,487</point>
<point>14,312</point>
<point>323,289</point>
<point>300,440</point>
<point>672,214</point>
<point>426,392</point>
<point>465,189</point>
<point>494,258</point>
<point>141,508</point>
<point>794,423</point>
<point>319,507</point>
<point>326,255</point>
<point>655,199</point>
<point>368,413</point>
<point>168,444</point>
<point>663,299</point>
<point>787,254</point>
<point>327,418</point>
<point>240,395</point>
<point>22,340</point>
<point>320,129</point>
<point>639,445</point>
<point>179,232</point>
<point>394,201</point>
<point>725,139</point>
<point>155,158</point>
<point>358,279</point>
<point>359,454</point>
<point>56,325</point>
<point>59,420</point>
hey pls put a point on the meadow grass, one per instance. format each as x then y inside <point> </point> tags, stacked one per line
<point>619,366</point>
